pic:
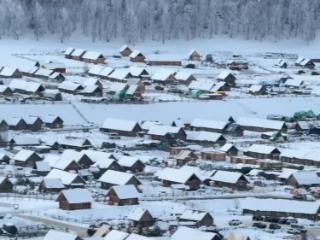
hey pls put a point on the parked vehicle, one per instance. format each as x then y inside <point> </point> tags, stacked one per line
<point>274,226</point>
<point>259,225</point>
<point>293,231</point>
<point>235,222</point>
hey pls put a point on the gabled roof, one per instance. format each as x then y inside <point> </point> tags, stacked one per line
<point>162,130</point>
<point>50,183</point>
<point>183,75</point>
<point>210,124</point>
<point>227,176</point>
<point>124,47</point>
<point>55,235</point>
<point>261,123</point>
<point>116,235</point>
<point>223,75</point>
<point>126,191</point>
<point>128,161</point>
<point>23,155</point>
<point>202,85</point>
<point>203,136</point>
<point>66,177</point>
<point>119,124</point>
<point>8,71</point>
<point>116,177</point>
<point>163,75</point>
<point>193,215</point>
<point>306,178</point>
<point>28,86</point>
<point>78,52</point>
<point>135,53</point>
<point>120,74</point>
<point>77,195</point>
<point>69,50</point>
<point>137,214</point>
<point>137,71</point>
<point>92,55</point>
<point>175,175</point>
<point>281,205</point>
<point>261,148</point>
<point>69,86</point>
<point>226,147</point>
<point>185,233</point>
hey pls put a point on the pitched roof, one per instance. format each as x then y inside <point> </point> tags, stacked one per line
<point>116,177</point>
<point>261,148</point>
<point>175,175</point>
<point>77,195</point>
<point>260,122</point>
<point>211,124</point>
<point>126,191</point>
<point>203,136</point>
<point>23,155</point>
<point>185,233</point>
<point>66,177</point>
<point>54,235</point>
<point>226,176</point>
<point>119,124</point>
<point>116,235</point>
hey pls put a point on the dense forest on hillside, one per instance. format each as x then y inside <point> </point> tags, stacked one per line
<point>140,20</point>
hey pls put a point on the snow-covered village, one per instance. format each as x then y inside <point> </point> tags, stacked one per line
<point>176,134</point>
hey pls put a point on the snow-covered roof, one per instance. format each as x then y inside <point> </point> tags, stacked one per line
<point>4,88</point>
<point>8,71</point>
<point>135,53</point>
<point>69,50</point>
<point>119,124</point>
<point>223,75</point>
<point>128,161</point>
<point>28,86</point>
<point>203,136</point>
<point>162,130</point>
<point>44,72</point>
<point>255,88</point>
<point>227,176</point>
<point>202,85</point>
<point>260,122</point>
<point>23,155</point>
<point>53,183</point>
<point>77,195</point>
<point>210,124</point>
<point>126,191</point>
<point>226,147</point>
<point>183,75</point>
<point>116,235</point>
<point>294,82</point>
<point>163,75</point>
<point>286,173</point>
<point>116,177</point>
<point>124,47</point>
<point>66,177</point>
<point>261,148</point>
<point>185,233</point>
<point>92,55</point>
<point>193,215</point>
<point>307,177</point>
<point>78,52</point>
<point>116,86</point>
<point>69,86</point>
<point>305,154</point>
<point>137,214</point>
<point>120,74</point>
<point>55,235</point>
<point>132,89</point>
<point>26,140</point>
<point>281,205</point>
<point>175,175</point>
<point>137,71</point>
